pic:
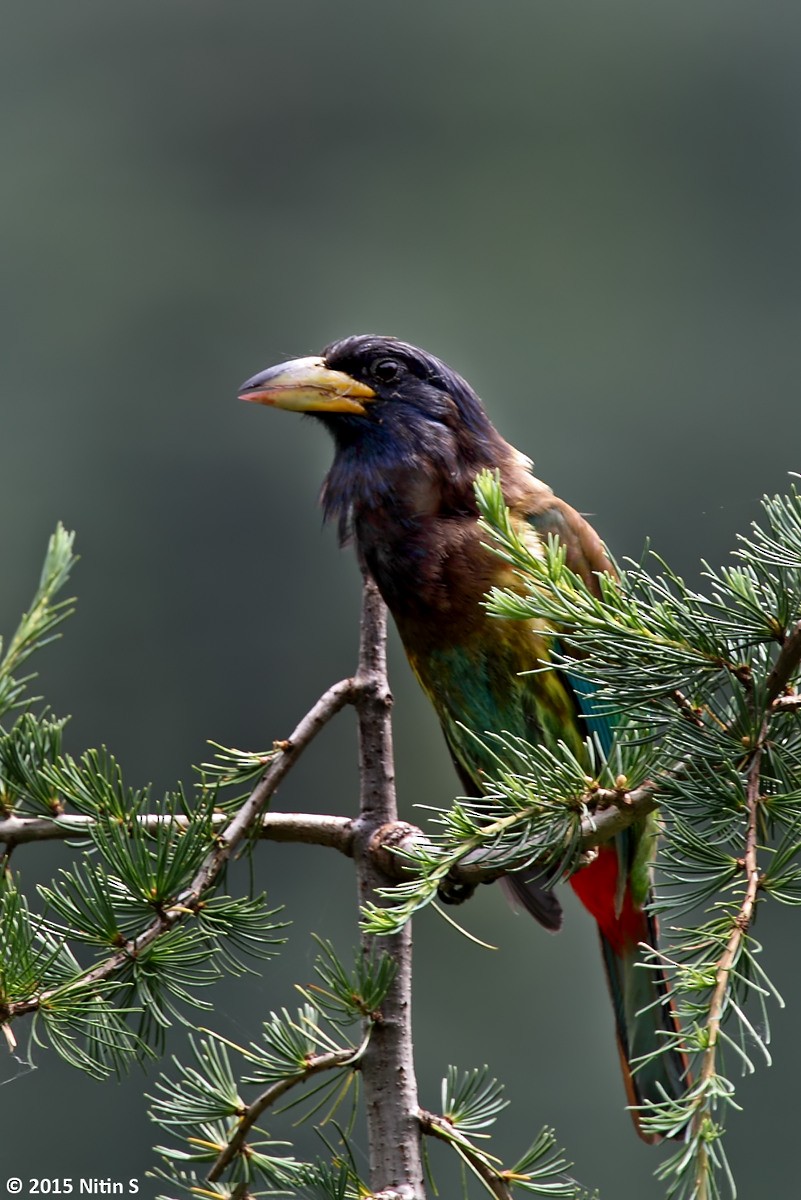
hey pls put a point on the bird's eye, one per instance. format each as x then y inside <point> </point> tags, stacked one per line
<point>386,370</point>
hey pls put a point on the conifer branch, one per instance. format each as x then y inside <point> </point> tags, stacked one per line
<point>329,704</point>
<point>609,811</point>
<point>311,829</point>
<point>686,707</point>
<point>786,664</point>
<point>317,1063</point>
<point>788,703</point>
<point>438,1127</point>
<point>233,835</point>
<point>741,923</point>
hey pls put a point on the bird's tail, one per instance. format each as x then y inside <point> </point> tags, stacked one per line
<point>644,1014</point>
<point>645,1018</point>
<point>536,898</point>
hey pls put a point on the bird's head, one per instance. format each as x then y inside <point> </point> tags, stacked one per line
<point>364,382</point>
<point>397,415</point>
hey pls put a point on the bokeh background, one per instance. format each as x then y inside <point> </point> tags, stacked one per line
<point>592,211</point>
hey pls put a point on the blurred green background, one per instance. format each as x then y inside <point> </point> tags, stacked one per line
<point>591,211</point>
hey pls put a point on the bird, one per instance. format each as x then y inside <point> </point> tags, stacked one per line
<point>410,437</point>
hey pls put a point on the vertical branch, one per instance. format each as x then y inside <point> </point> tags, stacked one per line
<point>390,1084</point>
<point>727,964</point>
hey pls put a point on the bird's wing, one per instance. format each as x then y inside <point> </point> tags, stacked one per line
<point>587,558</point>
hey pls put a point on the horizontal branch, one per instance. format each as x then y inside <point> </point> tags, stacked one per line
<point>599,826</point>
<point>619,809</point>
<point>234,833</point>
<point>310,828</point>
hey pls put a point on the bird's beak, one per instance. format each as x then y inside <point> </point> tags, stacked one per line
<point>307,385</point>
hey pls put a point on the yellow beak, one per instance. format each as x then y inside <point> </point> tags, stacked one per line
<point>307,385</point>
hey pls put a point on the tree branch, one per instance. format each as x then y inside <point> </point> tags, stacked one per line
<point>234,832</point>
<point>317,1063</point>
<point>387,1067</point>
<point>614,811</point>
<point>371,838</point>
<point>329,704</point>
<point>312,829</point>
<point>788,703</point>
<point>438,1127</point>
<point>688,709</point>
<point>728,960</point>
<point>786,664</point>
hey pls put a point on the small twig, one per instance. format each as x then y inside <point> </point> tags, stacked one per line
<point>788,703</point>
<point>688,709</point>
<point>623,808</point>
<point>317,1063</point>
<point>442,1129</point>
<point>236,830</point>
<point>329,704</point>
<point>472,863</point>
<point>786,664</point>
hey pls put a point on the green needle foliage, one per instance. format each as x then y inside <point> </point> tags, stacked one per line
<point>203,1103</point>
<point>232,768</point>
<point>325,1181</point>
<point>131,934</point>
<point>39,624</point>
<point>348,996</point>
<point>541,1170</point>
<point>470,1101</point>
<point>703,690</point>
<point>531,813</point>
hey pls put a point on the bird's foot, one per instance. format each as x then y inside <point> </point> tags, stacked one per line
<point>454,891</point>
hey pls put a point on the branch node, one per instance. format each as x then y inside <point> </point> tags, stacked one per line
<point>385,842</point>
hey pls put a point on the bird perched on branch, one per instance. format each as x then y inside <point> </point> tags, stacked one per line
<point>410,436</point>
